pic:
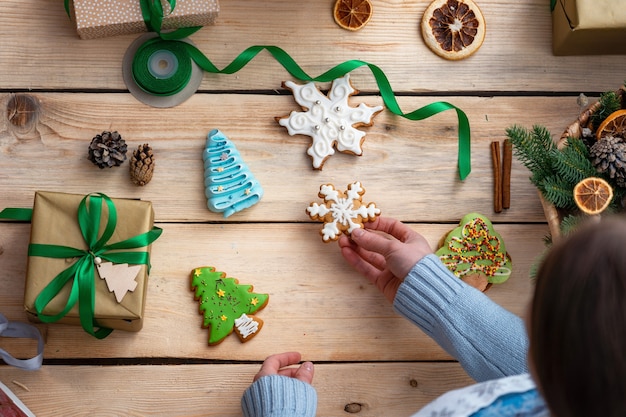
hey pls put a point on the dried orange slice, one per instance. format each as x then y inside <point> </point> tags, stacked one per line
<point>352,14</point>
<point>593,195</point>
<point>613,125</point>
<point>453,29</point>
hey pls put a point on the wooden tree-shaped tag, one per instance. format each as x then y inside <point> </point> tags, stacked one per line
<point>120,278</point>
<point>226,305</point>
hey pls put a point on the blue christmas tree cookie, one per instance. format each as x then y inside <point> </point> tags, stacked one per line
<point>229,185</point>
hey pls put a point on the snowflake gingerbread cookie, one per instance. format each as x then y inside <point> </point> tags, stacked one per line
<point>342,212</point>
<point>329,120</point>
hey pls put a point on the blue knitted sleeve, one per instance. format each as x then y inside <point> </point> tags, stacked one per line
<point>489,341</point>
<point>279,396</point>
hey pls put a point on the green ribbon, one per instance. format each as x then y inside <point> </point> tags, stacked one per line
<point>552,5</point>
<point>168,86</point>
<point>185,52</point>
<point>153,15</point>
<point>152,12</point>
<point>82,273</point>
<point>20,214</point>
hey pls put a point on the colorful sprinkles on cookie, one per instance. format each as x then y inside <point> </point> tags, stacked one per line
<point>474,247</point>
<point>226,305</point>
<point>342,212</point>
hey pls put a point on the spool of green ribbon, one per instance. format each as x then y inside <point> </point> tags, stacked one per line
<point>162,67</point>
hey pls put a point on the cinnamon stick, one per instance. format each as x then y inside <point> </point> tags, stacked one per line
<point>507,159</point>
<point>497,177</point>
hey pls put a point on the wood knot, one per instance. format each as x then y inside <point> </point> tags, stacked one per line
<point>352,408</point>
<point>22,112</point>
<point>413,383</point>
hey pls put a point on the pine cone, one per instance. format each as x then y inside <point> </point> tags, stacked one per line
<point>107,149</point>
<point>608,155</point>
<point>142,165</point>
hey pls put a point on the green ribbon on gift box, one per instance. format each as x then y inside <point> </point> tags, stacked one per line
<point>82,273</point>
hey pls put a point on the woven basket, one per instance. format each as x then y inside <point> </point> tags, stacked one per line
<point>554,216</point>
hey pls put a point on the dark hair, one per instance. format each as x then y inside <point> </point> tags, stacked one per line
<point>578,323</point>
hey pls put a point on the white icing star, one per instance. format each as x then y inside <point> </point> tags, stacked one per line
<point>329,120</point>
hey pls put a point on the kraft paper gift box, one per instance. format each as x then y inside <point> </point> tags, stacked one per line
<point>55,222</point>
<point>103,18</point>
<point>589,27</point>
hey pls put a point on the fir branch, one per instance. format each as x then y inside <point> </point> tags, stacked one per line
<point>609,102</point>
<point>572,162</point>
<point>558,191</point>
<point>532,148</point>
<point>570,223</point>
<point>536,264</point>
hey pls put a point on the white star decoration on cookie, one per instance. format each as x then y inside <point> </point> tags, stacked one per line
<point>342,213</point>
<point>329,120</point>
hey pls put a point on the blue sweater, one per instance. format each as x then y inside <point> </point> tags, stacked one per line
<point>487,340</point>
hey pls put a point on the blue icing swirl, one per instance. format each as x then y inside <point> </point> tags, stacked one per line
<point>229,185</point>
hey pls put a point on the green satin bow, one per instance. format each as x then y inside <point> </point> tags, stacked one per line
<point>82,273</point>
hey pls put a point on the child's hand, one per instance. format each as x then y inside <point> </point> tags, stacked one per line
<point>279,364</point>
<point>384,258</point>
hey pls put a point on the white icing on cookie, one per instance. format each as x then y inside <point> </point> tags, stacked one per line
<point>342,212</point>
<point>329,120</point>
<point>229,185</point>
<point>246,326</point>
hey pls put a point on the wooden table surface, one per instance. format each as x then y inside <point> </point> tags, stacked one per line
<point>366,355</point>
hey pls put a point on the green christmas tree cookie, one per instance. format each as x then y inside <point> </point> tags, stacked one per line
<point>474,251</point>
<point>226,305</point>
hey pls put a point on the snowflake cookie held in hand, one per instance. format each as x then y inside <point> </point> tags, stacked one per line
<point>342,212</point>
<point>329,120</point>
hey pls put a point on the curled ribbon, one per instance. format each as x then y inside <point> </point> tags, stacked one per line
<point>21,330</point>
<point>185,51</point>
<point>152,12</point>
<point>82,272</point>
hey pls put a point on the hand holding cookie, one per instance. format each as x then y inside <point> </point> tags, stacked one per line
<point>385,254</point>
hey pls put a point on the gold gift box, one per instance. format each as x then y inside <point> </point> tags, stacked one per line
<point>54,222</point>
<point>588,27</point>
<point>104,18</point>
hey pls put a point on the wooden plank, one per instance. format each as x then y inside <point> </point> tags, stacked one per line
<point>389,389</point>
<point>318,304</point>
<point>409,168</point>
<point>516,54</point>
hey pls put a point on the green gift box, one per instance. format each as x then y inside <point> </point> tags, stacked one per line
<point>72,238</point>
<point>588,27</point>
<point>103,18</point>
